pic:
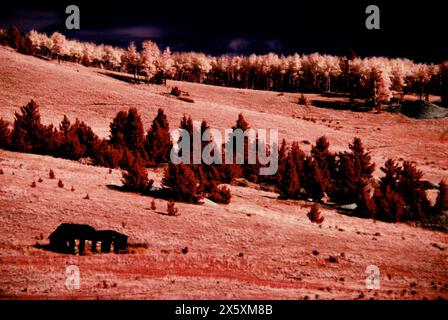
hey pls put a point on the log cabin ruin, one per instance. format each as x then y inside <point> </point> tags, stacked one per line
<point>81,238</point>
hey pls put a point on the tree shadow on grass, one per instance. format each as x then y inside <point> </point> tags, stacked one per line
<point>121,77</point>
<point>342,105</point>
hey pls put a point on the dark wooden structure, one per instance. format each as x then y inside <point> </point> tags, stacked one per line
<point>74,238</point>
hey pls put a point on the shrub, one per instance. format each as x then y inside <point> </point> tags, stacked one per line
<point>1,171</point>
<point>72,189</point>
<point>40,180</point>
<point>314,214</point>
<point>221,195</point>
<point>303,100</point>
<point>86,197</point>
<point>60,184</point>
<point>33,184</point>
<point>176,92</point>
<point>171,208</point>
<point>51,174</point>
<point>153,205</point>
<point>441,204</point>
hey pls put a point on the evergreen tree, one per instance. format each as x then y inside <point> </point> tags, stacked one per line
<point>313,182</point>
<point>182,183</point>
<point>28,132</point>
<point>324,159</point>
<point>390,206</point>
<point>158,139</point>
<point>136,177</point>
<point>5,134</point>
<point>411,189</point>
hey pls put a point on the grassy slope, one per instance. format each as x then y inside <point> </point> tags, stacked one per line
<point>274,237</point>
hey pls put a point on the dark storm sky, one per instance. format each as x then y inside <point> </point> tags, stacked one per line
<point>417,30</point>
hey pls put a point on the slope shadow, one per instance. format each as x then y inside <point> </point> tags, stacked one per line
<point>121,77</point>
<point>342,105</point>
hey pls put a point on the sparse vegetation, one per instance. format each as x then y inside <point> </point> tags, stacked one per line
<point>171,208</point>
<point>60,184</point>
<point>314,214</point>
<point>153,204</point>
<point>51,174</point>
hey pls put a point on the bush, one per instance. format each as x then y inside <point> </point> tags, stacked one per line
<point>303,100</point>
<point>314,214</point>
<point>60,184</point>
<point>153,205</point>
<point>51,174</point>
<point>441,204</point>
<point>33,184</point>
<point>171,208</point>
<point>220,195</point>
<point>175,92</point>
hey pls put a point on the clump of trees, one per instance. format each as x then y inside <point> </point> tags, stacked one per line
<point>342,178</point>
<point>377,79</point>
<point>347,178</point>
<point>128,147</point>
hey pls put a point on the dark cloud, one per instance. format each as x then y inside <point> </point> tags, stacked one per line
<point>408,29</point>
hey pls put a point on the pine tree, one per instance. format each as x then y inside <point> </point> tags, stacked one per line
<point>353,174</point>
<point>366,206</point>
<point>118,130</point>
<point>14,37</point>
<point>289,182</point>
<point>135,134</point>
<point>343,190</point>
<point>391,176</point>
<point>313,182</point>
<point>69,146</point>
<point>411,189</point>
<point>136,177</point>
<point>158,139</point>
<point>390,206</point>
<point>27,132</point>
<point>182,183</point>
<point>126,131</point>
<point>324,159</point>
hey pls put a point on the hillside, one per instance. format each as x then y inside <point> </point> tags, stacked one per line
<point>256,247</point>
